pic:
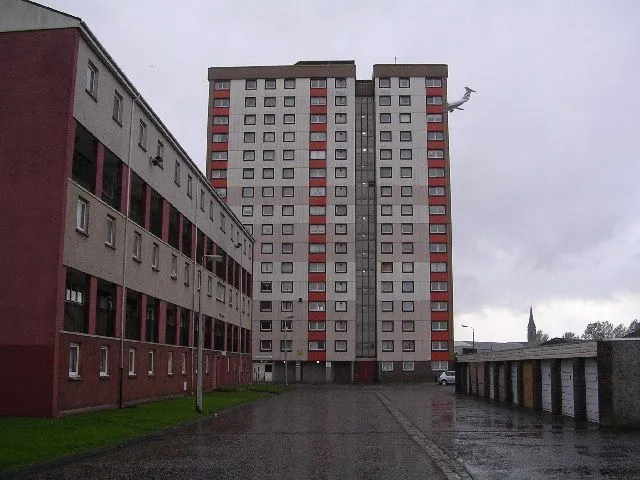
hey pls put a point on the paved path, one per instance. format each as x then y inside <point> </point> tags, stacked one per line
<point>372,432</point>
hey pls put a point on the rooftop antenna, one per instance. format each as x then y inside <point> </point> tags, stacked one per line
<point>395,60</point>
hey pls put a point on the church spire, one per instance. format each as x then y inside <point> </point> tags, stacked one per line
<point>531,329</point>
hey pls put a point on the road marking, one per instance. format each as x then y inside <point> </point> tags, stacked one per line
<point>451,468</point>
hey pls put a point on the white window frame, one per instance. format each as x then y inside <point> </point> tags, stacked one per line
<point>132,362</point>
<point>82,216</point>
<point>74,360</point>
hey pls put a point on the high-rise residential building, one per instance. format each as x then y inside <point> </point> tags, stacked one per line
<point>344,184</point>
<point>106,226</point>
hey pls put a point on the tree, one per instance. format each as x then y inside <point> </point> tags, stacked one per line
<point>633,326</point>
<point>602,330</point>
<point>541,337</point>
<point>570,336</point>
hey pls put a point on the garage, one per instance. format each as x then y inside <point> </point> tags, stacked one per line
<point>514,383</point>
<point>492,381</point>
<point>566,375</point>
<point>546,385</point>
<point>591,389</point>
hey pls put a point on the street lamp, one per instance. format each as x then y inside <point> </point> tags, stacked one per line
<point>215,258</point>
<point>473,337</point>
<point>286,350</point>
<point>238,245</point>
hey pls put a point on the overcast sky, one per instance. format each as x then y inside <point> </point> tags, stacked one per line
<point>544,158</point>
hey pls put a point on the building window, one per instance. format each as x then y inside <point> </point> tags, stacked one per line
<point>407,247</point>
<point>405,136</point>
<point>137,246</point>
<point>434,118</point>
<point>436,136</point>
<point>341,136</point>
<point>437,210</point>
<point>340,287</point>
<point>386,366</point>
<point>92,80</point>
<point>340,345</point>
<point>248,102</point>
<point>442,326</point>
<point>439,365</point>
<point>437,228</point>
<point>437,247</point>
<point>384,100</point>
<point>408,345</point>
<point>189,186</point>
<point>289,83</point>
<point>436,172</point>
<point>407,306</point>
<point>386,210</point>
<point>438,267</point>
<point>132,361</point>
<point>269,119</point>
<point>221,102</point>
<point>152,363</point>
<point>341,172</point>
<point>222,85</point>
<point>386,267</point>
<point>249,119</point>
<point>186,273</point>
<point>387,325</point>
<point>408,366</point>
<point>404,82</point>
<point>386,287</point>
<point>269,101</point>
<point>434,100</point>
<point>142,136</point>
<point>265,345</point>
<point>384,82</point>
<point>82,216</point>
<point>286,267</point>
<point>104,361</point>
<point>405,118</point>
<point>251,84</point>
<point>385,136</point>
<point>386,190</point>
<point>319,83</point>
<point>341,326</point>
<point>439,286</point>
<point>340,118</point>
<point>386,247</point>
<point>408,326</point>
<point>439,306</point>
<point>317,346</point>
<point>404,100</point>
<point>387,306</point>
<point>155,256</point>
<point>340,306</point>
<point>439,345</point>
<point>117,107</point>
<point>435,153</point>
<point>406,210</point>
<point>387,345</point>
<point>74,360</point>
<point>183,362</point>
<point>340,101</point>
<point>433,82</point>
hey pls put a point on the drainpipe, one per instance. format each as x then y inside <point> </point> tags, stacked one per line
<point>124,260</point>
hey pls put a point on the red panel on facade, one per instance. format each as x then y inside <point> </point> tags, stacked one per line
<point>317,277</point>
<point>222,111</point>
<point>317,182</point>
<point>317,164</point>
<point>314,336</point>
<point>435,109</point>
<point>317,145</point>
<point>317,316</point>
<point>318,109</point>
<point>440,316</point>
<point>435,127</point>
<point>317,296</point>
<point>439,296</point>
<point>317,92</point>
<point>437,200</point>
<point>438,257</point>
<point>219,129</point>
<point>218,164</point>
<point>317,200</point>
<point>37,87</point>
<point>220,93</point>
<point>439,356</point>
<point>437,182</point>
<point>439,277</point>
<point>317,219</point>
<point>318,127</point>
<point>436,163</point>
<point>437,219</point>
<point>219,147</point>
<point>317,257</point>
<point>440,335</point>
<point>317,238</point>
<point>317,356</point>
<point>434,91</point>
<point>438,238</point>
<point>435,144</point>
<point>219,182</point>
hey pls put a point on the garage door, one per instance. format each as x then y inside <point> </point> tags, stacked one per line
<point>492,381</point>
<point>566,374</point>
<point>591,387</point>
<point>514,383</point>
<point>546,385</point>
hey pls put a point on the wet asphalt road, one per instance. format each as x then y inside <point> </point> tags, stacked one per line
<point>353,432</point>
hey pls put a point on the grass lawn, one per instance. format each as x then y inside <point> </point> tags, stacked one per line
<point>25,441</point>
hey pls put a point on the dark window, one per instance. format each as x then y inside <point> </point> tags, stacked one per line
<point>173,226</point>
<point>170,334</point>
<point>184,327</point>
<point>218,335</point>
<point>155,226</point>
<point>132,321</point>
<point>186,237</point>
<point>111,180</point>
<point>83,170</point>
<point>152,320</point>
<point>106,309</point>
<point>75,301</point>
<point>136,205</point>
<point>207,332</point>
<point>199,246</point>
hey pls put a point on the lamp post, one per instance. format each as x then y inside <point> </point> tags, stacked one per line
<point>238,245</point>
<point>473,337</point>
<point>215,258</point>
<point>286,350</point>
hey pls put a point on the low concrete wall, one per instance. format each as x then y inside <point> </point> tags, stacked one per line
<point>625,387</point>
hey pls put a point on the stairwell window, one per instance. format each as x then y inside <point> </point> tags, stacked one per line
<point>82,216</point>
<point>74,360</point>
<point>92,80</point>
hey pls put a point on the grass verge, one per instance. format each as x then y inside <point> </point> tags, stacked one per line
<point>28,441</point>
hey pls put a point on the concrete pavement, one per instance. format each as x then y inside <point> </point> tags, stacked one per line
<point>372,432</point>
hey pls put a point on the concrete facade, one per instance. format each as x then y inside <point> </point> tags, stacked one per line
<point>112,239</point>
